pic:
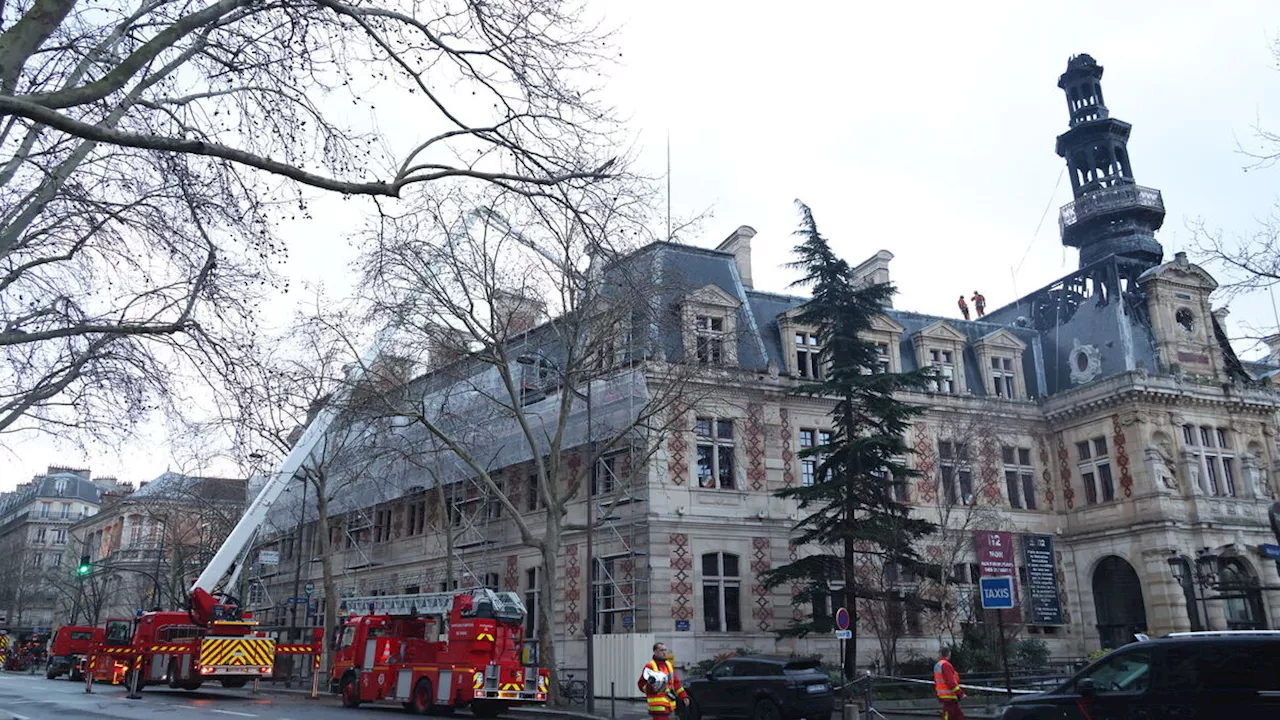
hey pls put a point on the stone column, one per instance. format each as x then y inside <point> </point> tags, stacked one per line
<point>1166,604</point>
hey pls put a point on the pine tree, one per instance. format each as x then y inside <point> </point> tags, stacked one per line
<point>849,513</point>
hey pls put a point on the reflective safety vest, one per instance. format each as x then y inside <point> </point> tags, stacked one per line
<point>662,702</point>
<point>946,681</point>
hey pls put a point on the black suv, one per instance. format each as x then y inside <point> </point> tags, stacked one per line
<point>763,688</point>
<point>1186,676</point>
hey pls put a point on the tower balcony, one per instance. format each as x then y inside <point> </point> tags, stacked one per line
<point>1110,201</point>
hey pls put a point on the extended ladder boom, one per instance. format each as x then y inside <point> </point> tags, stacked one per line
<point>256,513</point>
<point>505,604</point>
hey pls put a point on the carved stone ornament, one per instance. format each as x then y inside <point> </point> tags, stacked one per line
<point>772,368</point>
<point>1085,362</point>
<point>1161,468</point>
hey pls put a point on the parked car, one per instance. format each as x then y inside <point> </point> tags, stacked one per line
<point>1192,676</point>
<point>762,688</point>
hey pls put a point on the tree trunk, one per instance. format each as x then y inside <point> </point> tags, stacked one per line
<point>851,603</point>
<point>546,605</point>
<point>326,565</point>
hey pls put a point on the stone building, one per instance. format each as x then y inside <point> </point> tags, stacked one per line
<point>1102,426</point>
<point>35,522</point>
<point>146,546</point>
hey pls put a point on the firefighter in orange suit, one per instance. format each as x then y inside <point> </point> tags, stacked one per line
<point>661,685</point>
<point>946,683</point>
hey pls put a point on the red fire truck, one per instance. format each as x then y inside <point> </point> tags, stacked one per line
<point>71,645</point>
<point>437,651</point>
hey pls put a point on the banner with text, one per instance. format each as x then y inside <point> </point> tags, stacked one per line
<point>997,558</point>
<point>1042,580</point>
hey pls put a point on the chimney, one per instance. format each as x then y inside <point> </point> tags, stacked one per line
<point>1273,345</point>
<point>516,312</point>
<point>874,271</point>
<point>445,346</point>
<point>739,243</point>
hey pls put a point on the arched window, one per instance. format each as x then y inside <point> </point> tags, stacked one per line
<point>721,593</point>
<point>1242,600</point>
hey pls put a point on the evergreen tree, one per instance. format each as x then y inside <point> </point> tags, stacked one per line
<point>849,513</point>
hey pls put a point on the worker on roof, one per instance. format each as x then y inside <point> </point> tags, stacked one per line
<point>661,685</point>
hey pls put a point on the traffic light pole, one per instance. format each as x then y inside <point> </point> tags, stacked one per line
<point>86,568</point>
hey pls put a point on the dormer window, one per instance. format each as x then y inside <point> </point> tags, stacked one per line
<point>710,340</point>
<point>883,362</point>
<point>808,352</point>
<point>1002,377</point>
<point>943,362</point>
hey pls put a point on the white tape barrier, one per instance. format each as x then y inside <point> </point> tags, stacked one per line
<point>984,688</point>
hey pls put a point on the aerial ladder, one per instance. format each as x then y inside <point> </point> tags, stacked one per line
<point>213,639</point>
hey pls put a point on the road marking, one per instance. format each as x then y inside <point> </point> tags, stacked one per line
<point>233,712</point>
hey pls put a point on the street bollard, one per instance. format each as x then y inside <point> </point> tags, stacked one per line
<point>135,680</point>
<point>89,665</point>
<point>613,700</point>
<point>255,686</point>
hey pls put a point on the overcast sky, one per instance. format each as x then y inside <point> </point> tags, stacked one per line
<point>923,128</point>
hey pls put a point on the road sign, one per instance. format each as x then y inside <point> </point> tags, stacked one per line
<point>269,557</point>
<point>844,634</point>
<point>1270,551</point>
<point>309,588</point>
<point>842,619</point>
<point>298,601</point>
<point>628,620</point>
<point>682,625</point>
<point>997,593</point>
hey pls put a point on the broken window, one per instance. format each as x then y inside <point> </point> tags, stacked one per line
<point>715,453</point>
<point>808,364</point>
<point>710,340</point>
<point>1002,378</point>
<point>1019,477</point>
<point>943,362</point>
<point>957,475</point>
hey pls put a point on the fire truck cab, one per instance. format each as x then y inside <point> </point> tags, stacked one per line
<point>437,651</point>
<point>71,645</point>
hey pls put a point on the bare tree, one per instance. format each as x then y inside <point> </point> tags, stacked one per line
<point>151,147</point>
<point>541,336</point>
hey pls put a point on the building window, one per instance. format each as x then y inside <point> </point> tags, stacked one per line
<point>40,535</point>
<point>957,475</point>
<point>715,453</point>
<point>1212,450</point>
<point>943,362</point>
<point>57,560</point>
<point>615,351</point>
<point>710,339</point>
<point>416,522</point>
<point>381,525</point>
<point>1019,477</point>
<point>536,380</point>
<point>60,537</point>
<point>44,509</point>
<point>808,364</point>
<point>532,596</point>
<point>882,359</point>
<point>1002,377</point>
<point>66,511</point>
<point>607,479</point>
<point>534,499</point>
<point>1095,471</point>
<point>721,598</point>
<point>37,560</point>
<point>493,508</point>
<point>809,465</point>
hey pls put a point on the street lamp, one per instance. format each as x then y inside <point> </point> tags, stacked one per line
<point>588,627</point>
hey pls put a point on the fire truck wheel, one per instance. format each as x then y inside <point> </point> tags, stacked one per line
<point>421,701</point>
<point>192,684</point>
<point>235,682</point>
<point>49,672</point>
<point>173,673</point>
<point>75,675</point>
<point>487,708</point>
<point>350,692</point>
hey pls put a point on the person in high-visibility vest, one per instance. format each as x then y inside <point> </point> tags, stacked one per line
<point>946,683</point>
<point>661,685</point>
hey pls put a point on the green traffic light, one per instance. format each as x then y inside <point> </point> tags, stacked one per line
<point>85,567</point>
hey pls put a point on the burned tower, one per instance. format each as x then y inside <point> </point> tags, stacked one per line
<point>1111,214</point>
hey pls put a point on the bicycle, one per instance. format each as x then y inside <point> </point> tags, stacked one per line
<point>573,691</point>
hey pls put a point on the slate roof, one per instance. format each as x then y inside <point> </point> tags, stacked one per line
<point>77,487</point>
<point>177,487</point>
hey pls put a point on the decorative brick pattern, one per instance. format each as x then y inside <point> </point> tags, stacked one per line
<point>987,456</point>
<point>755,446</point>
<point>797,613</point>
<point>677,447</point>
<point>1045,473</point>
<point>788,456</point>
<point>681,586</point>
<point>572,592</point>
<point>628,581</point>
<point>926,464</point>
<point>1122,456</point>
<point>1064,471</point>
<point>763,611</point>
<point>511,581</point>
<point>1062,589</point>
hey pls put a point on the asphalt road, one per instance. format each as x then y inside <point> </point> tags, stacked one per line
<point>32,697</point>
